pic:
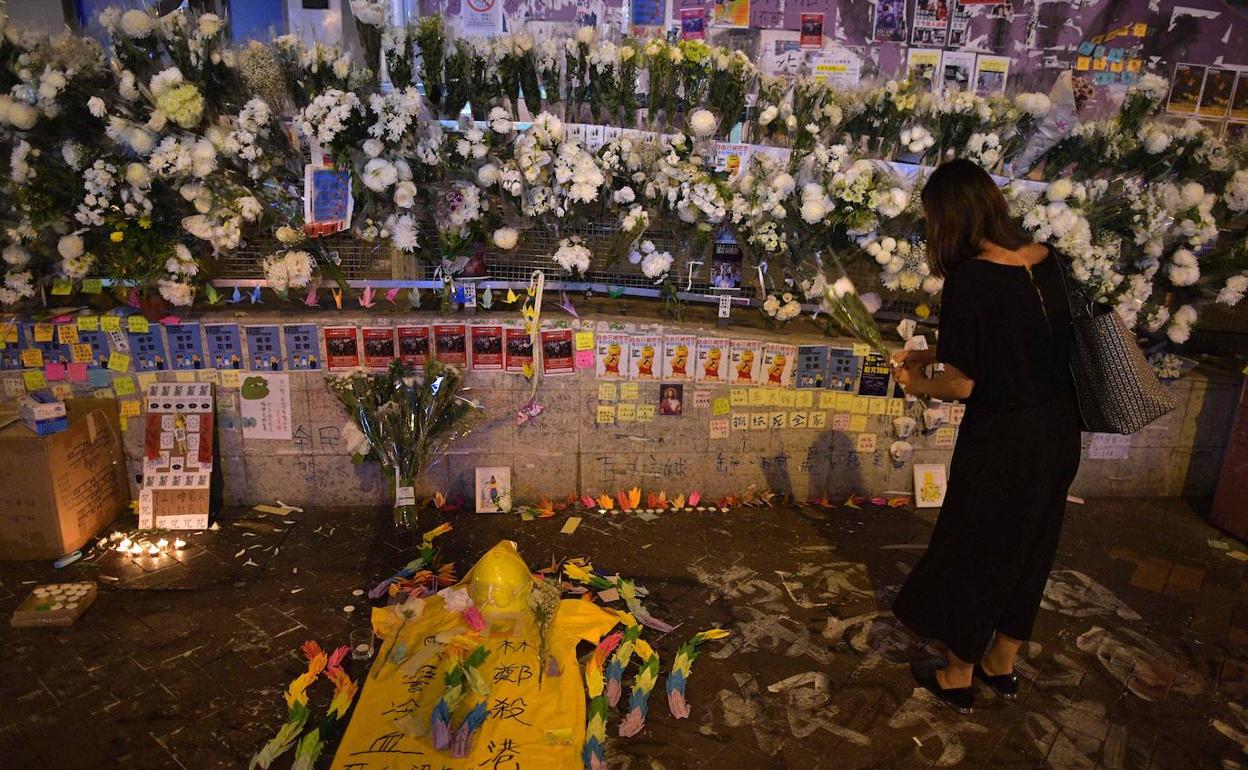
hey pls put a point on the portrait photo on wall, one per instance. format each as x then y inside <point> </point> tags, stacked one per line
<point>493,486</point>
<point>671,399</point>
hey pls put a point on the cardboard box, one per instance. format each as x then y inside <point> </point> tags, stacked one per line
<point>57,492</point>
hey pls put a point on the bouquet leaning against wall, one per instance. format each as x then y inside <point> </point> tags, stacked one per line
<point>408,421</point>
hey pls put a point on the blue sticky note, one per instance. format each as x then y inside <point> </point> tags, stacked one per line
<point>1103,78</point>
<point>264,348</point>
<point>186,348</point>
<point>303,348</point>
<point>1086,48</point>
<point>1115,54</point>
<point>224,349</point>
<point>1099,51</point>
<point>99,378</point>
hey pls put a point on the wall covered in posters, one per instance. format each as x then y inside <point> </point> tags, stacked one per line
<point>1042,39</point>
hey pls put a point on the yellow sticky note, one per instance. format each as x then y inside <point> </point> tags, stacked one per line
<point>118,362</point>
<point>606,391</point>
<point>861,350</point>
<point>784,398</point>
<point>645,412</point>
<point>864,442</point>
<point>877,405</point>
<point>896,407</point>
<point>818,420</point>
<point>138,324</point>
<point>146,380</point>
<point>606,415</point>
<point>123,386</point>
<point>43,332</point>
<point>584,340</point>
<point>34,379</point>
<point>9,333</point>
<point>759,421</point>
<point>1140,29</point>
<point>67,334</point>
<point>130,407</point>
<point>1083,63</point>
<point>804,399</point>
<point>628,391</point>
<point>32,358</point>
<point>758,397</point>
<point>797,420</point>
<point>827,400</point>
<point>184,376</point>
<point>857,423</point>
<point>844,402</point>
<point>123,423</point>
<point>88,323</point>
<point>626,413</point>
<point>570,525</point>
<point>110,323</point>
<point>861,405</point>
<point>720,406</point>
<point>739,397</point>
<point>92,285</point>
<point>207,375</point>
<point>62,287</point>
<point>229,378</point>
<point>80,353</point>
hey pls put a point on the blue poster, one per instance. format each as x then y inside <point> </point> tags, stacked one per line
<point>53,351</point>
<point>264,348</point>
<point>812,366</point>
<point>11,357</point>
<point>303,348</point>
<point>147,350</point>
<point>876,376</point>
<point>649,13</point>
<point>186,349</point>
<point>98,341</point>
<point>843,370</point>
<point>224,349</point>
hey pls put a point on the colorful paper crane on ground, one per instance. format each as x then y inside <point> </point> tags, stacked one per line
<point>682,666</point>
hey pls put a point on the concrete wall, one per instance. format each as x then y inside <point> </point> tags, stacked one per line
<point>564,451</point>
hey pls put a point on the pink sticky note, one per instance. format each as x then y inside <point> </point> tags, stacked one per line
<point>584,359</point>
<point>62,319</point>
<point>78,372</point>
<point>171,320</point>
<point>53,372</point>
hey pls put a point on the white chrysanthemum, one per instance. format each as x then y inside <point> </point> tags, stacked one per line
<point>703,123</point>
<point>379,174</point>
<point>572,255</point>
<point>137,24</point>
<point>15,256</point>
<point>506,238</point>
<point>405,194</point>
<point>1059,190</point>
<point>177,293</point>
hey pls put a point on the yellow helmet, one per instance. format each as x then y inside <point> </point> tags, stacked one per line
<point>500,581</point>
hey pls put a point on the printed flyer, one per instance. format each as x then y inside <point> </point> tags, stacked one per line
<point>342,348</point>
<point>612,355</point>
<point>557,355</point>
<point>378,346</point>
<point>450,344</point>
<point>487,348</point>
<point>264,348</point>
<point>519,349</point>
<point>413,344</point>
<point>713,358</point>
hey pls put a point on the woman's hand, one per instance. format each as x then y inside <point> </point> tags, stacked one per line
<point>908,366</point>
<point>917,357</point>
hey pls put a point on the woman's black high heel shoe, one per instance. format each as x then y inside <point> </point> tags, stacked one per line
<point>961,699</point>
<point>1005,685</point>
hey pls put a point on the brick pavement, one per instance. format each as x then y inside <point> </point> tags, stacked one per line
<point>1140,658</point>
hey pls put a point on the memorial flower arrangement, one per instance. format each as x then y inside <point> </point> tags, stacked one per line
<point>408,422</point>
<point>141,161</point>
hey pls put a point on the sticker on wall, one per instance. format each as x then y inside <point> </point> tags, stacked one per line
<point>225,349</point>
<point>342,348</point>
<point>303,352</point>
<point>264,348</point>
<point>671,399</point>
<point>378,346</point>
<point>745,362</point>
<point>778,365</point>
<point>186,347</point>
<point>557,355</point>
<point>264,406</point>
<point>450,344</point>
<point>678,353</point>
<point>646,356</point>
<point>929,485</point>
<point>812,366</point>
<point>413,344</point>
<point>487,347</point>
<point>713,359</point>
<point>612,355</point>
<point>519,350</point>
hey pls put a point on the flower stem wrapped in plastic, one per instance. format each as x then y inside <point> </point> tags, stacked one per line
<point>408,421</point>
<point>852,316</point>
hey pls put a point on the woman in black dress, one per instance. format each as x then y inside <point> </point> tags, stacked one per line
<point>1005,337</point>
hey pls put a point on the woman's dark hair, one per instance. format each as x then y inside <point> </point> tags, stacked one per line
<point>964,208</point>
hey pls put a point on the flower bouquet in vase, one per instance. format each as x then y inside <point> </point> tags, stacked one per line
<point>407,422</point>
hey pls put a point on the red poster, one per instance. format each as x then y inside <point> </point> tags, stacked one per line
<point>378,347</point>
<point>519,350</point>
<point>450,344</point>
<point>557,351</point>
<point>342,347</point>
<point>812,30</point>
<point>693,23</point>
<point>487,347</point>
<point>413,344</point>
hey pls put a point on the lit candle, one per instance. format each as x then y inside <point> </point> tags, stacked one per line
<point>179,543</point>
<point>124,545</point>
<point>136,549</point>
<point>153,551</point>
<point>162,544</point>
